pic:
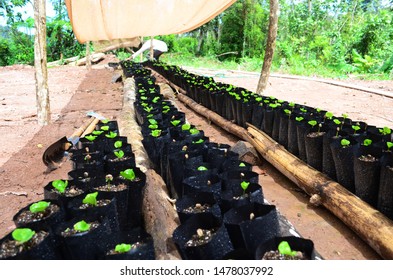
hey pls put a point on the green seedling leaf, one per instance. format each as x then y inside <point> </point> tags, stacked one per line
<point>128,174</point>
<point>385,130</point>
<point>152,121</point>
<point>22,235</point>
<point>175,122</point>
<point>60,185</point>
<point>244,185</point>
<point>39,206</point>
<point>367,142</point>
<point>81,226</point>
<point>389,145</point>
<point>91,137</point>
<point>155,99</point>
<point>111,135</point>
<point>202,168</point>
<point>123,248</point>
<point>313,123</point>
<point>299,119</point>
<point>337,121</point>
<point>285,249</point>
<point>287,112</point>
<point>291,104</point>
<point>345,143</point>
<point>242,164</point>
<point>97,132</point>
<point>273,105</point>
<point>118,144</point>
<point>105,127</point>
<point>329,115</point>
<point>156,133</point>
<point>186,126</point>
<point>119,154</point>
<point>303,110</point>
<point>355,128</point>
<point>148,109</point>
<point>194,131</point>
<point>105,121</point>
<point>153,126</point>
<point>91,199</point>
<point>200,141</point>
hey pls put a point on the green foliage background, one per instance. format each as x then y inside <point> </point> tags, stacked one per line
<point>322,37</point>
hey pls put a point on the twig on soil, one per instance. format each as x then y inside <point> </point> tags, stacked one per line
<point>13,193</point>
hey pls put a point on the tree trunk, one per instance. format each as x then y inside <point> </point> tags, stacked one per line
<point>270,46</point>
<point>40,63</point>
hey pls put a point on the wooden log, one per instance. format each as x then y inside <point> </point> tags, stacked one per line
<point>371,225</point>
<point>159,214</point>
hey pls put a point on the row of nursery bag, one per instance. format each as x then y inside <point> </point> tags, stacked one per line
<point>219,202</point>
<point>95,213</point>
<point>357,155</point>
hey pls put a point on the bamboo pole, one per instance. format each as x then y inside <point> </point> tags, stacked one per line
<point>40,63</point>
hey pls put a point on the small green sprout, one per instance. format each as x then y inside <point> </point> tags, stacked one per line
<point>288,112</point>
<point>105,127</point>
<point>337,121</point>
<point>303,110</point>
<point>202,168</point>
<point>389,145</point>
<point>153,126</point>
<point>291,104</point>
<point>385,130</point>
<point>60,185</point>
<point>244,185</point>
<point>91,138</point>
<point>91,199</point>
<point>367,142</point>
<point>273,105</point>
<point>345,116</point>
<point>148,109</point>
<point>313,123</point>
<point>355,128</point>
<point>128,174</point>
<point>198,141</point>
<point>329,115</point>
<point>156,99</point>
<point>81,226</point>
<point>22,235</point>
<point>299,119</point>
<point>175,122</point>
<point>194,131</point>
<point>123,248</point>
<point>119,154</point>
<point>118,144</point>
<point>345,143</point>
<point>285,249</point>
<point>97,132</point>
<point>186,126</point>
<point>152,121</point>
<point>156,132</point>
<point>39,206</point>
<point>111,135</point>
<point>105,121</point>
<point>242,164</point>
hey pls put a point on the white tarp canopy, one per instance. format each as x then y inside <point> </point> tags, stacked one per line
<point>96,20</point>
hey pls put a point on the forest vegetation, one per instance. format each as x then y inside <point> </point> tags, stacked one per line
<point>327,38</point>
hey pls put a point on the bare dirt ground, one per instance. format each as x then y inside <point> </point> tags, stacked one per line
<point>74,91</point>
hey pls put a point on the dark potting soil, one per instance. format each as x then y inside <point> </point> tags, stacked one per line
<point>197,208</point>
<point>368,158</point>
<point>27,216</point>
<point>111,188</point>
<point>71,191</point>
<point>275,255</point>
<point>201,237</point>
<point>100,203</point>
<point>11,248</point>
<point>315,134</point>
<point>71,231</point>
<point>134,247</point>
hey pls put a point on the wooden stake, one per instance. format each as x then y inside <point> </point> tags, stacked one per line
<point>40,63</point>
<point>88,60</point>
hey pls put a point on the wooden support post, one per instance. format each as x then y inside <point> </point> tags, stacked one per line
<point>40,63</point>
<point>270,46</point>
<point>88,59</point>
<point>151,48</point>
